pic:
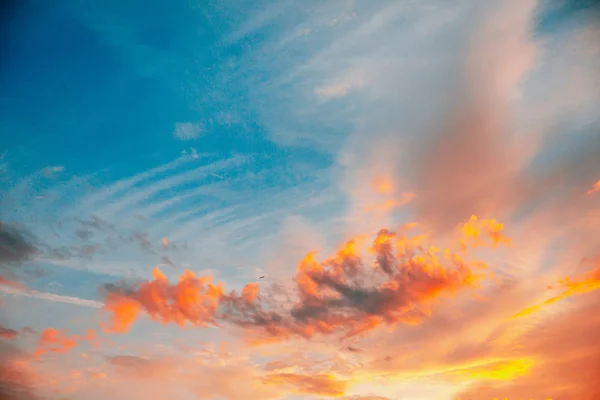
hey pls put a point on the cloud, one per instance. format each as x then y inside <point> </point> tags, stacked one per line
<point>15,247</point>
<point>470,151</point>
<point>16,380</point>
<point>589,282</point>
<point>170,206</point>
<point>212,378</point>
<point>20,290</point>
<point>567,355</point>
<point>476,343</point>
<point>594,188</point>
<point>57,341</point>
<point>492,229</point>
<point>334,296</point>
<point>51,172</point>
<point>472,163</point>
<point>192,300</point>
<point>350,81</point>
<point>7,333</point>
<point>187,131</point>
<point>323,384</point>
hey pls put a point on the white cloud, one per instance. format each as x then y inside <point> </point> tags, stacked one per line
<point>215,223</point>
<point>50,296</point>
<point>191,155</point>
<point>50,172</point>
<point>187,131</point>
<point>354,79</point>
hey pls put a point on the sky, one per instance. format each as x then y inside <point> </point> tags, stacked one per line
<point>296,200</point>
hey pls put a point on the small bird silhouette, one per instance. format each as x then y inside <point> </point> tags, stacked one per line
<point>262,277</point>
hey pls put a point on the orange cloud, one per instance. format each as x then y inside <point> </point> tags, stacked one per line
<point>123,312</point>
<point>383,185</point>
<point>495,370</point>
<point>319,384</point>
<point>56,341</point>
<point>588,282</point>
<point>344,294</point>
<point>476,230</point>
<point>568,358</point>
<point>250,292</point>
<point>393,203</point>
<point>193,299</point>
<point>595,188</point>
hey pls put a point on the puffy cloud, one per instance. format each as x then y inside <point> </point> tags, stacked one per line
<point>193,299</point>
<point>123,312</point>
<point>473,165</point>
<point>492,229</point>
<point>343,295</point>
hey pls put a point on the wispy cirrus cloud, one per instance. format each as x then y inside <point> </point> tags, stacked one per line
<point>595,188</point>
<point>341,87</point>
<point>412,115</point>
<point>16,291</point>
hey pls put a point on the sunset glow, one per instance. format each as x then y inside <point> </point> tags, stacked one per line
<point>300,200</point>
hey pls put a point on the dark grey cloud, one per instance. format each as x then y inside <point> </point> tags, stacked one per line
<point>97,224</point>
<point>167,260</point>
<point>84,234</point>
<point>143,241</point>
<point>15,246</point>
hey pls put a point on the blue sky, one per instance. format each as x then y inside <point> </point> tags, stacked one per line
<point>232,137</point>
